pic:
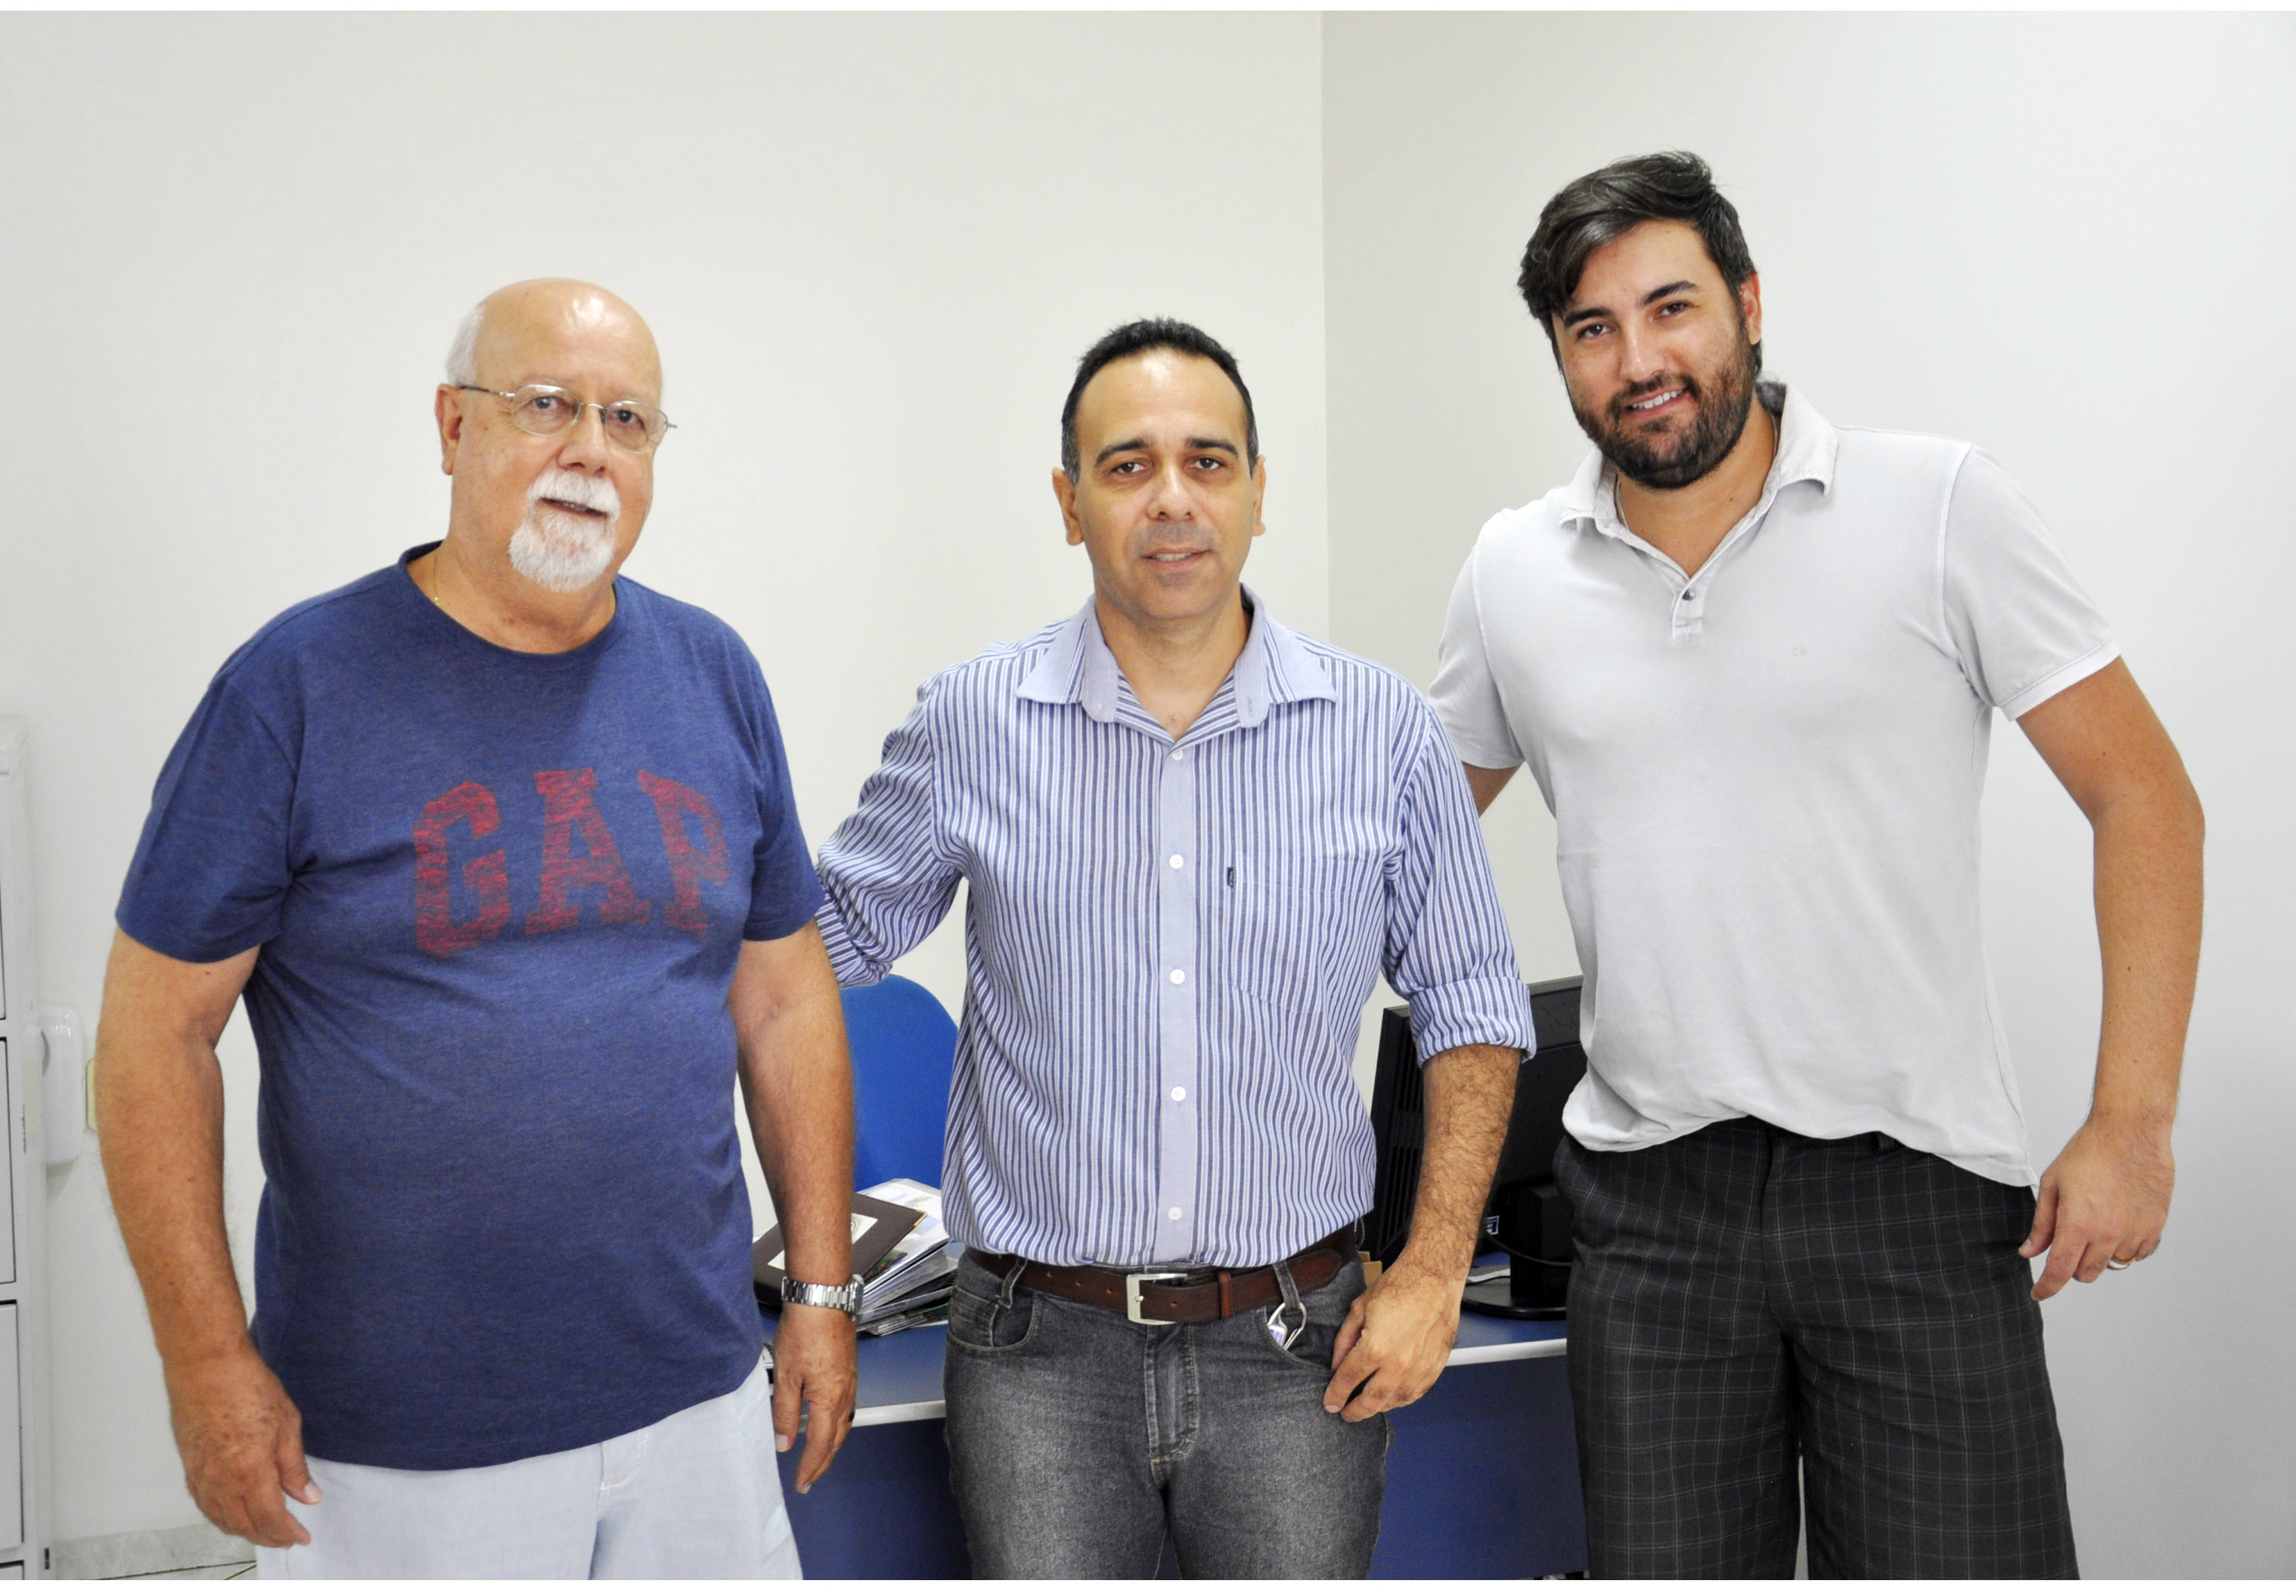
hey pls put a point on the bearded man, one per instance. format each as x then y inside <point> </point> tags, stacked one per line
<point>500,847</point>
<point>1751,659</point>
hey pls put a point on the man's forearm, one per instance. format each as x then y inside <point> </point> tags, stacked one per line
<point>2101,738</point>
<point>158,1090</point>
<point>162,1145</point>
<point>2148,917</point>
<point>1469,1094</point>
<point>800,1106</point>
<point>798,1088</point>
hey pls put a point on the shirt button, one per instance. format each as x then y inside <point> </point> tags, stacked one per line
<point>1687,595</point>
<point>1177,861</point>
<point>1180,1094</point>
<point>1179,753</point>
<point>1171,1213</point>
<point>1178,976</point>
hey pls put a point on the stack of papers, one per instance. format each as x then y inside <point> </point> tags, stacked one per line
<point>910,1285</point>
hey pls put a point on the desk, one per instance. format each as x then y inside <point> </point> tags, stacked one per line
<point>1482,1480</point>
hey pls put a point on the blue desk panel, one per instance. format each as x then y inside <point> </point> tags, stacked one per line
<point>883,1511</point>
<point>1482,1480</point>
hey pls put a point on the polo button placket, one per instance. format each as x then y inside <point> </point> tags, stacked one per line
<point>1686,614</point>
<point>1689,626</point>
<point>1689,613</point>
<point>1175,1007</point>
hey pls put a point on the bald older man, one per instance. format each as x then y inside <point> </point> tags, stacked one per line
<point>499,847</point>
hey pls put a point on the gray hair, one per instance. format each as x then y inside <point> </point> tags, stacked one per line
<point>462,354</point>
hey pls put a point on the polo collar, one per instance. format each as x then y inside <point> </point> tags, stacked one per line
<point>1274,669</point>
<point>1808,447</point>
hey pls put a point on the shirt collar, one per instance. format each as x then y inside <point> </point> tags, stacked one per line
<point>1274,669</point>
<point>1808,446</point>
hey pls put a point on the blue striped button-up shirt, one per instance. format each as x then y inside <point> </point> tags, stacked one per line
<point>1169,944</point>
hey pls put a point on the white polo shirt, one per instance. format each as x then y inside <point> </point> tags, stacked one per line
<point>1765,780</point>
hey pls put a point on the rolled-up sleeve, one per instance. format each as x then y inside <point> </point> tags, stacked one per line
<point>886,870</point>
<point>1448,952</point>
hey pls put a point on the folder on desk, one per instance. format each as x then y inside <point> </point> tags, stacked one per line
<point>910,1286</point>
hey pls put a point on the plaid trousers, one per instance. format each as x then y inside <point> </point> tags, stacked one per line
<point>1746,1299</point>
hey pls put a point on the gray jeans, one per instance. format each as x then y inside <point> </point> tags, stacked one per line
<point>1079,1440</point>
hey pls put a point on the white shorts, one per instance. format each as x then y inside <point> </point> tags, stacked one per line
<point>696,1496</point>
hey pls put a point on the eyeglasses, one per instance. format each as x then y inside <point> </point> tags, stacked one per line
<point>547,411</point>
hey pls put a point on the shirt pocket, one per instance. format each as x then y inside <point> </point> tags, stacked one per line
<point>1304,930</point>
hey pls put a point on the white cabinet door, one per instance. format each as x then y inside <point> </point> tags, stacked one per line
<point>8,1148</point>
<point>11,1435</point>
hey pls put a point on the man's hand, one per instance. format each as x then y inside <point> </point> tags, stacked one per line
<point>1394,1342</point>
<point>242,1442</point>
<point>813,1368</point>
<point>2106,1197</point>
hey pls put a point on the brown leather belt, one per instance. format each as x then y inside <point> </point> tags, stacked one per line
<point>1182,1296</point>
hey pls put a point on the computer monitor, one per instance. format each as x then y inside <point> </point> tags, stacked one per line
<point>1524,1215</point>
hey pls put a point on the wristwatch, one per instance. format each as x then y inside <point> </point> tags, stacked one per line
<point>804,1294</point>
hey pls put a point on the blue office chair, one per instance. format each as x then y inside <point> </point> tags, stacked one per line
<point>904,1046</point>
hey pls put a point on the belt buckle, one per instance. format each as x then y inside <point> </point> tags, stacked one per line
<point>1132,1293</point>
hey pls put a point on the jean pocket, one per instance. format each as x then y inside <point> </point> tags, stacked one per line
<point>979,1322</point>
<point>1327,1309</point>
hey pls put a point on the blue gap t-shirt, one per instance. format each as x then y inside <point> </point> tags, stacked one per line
<point>500,897</point>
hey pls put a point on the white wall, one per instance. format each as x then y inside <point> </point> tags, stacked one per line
<point>2065,237</point>
<point>871,249</point>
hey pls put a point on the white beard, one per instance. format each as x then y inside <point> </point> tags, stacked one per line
<point>562,553</point>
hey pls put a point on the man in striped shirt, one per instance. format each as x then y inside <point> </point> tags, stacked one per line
<point>1192,838</point>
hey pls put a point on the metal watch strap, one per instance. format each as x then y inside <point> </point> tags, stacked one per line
<point>804,1294</point>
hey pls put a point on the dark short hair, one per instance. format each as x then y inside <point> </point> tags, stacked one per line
<point>1137,338</point>
<point>1671,186</point>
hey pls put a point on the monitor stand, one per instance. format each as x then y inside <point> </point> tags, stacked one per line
<point>1534,1219</point>
<point>1497,1297</point>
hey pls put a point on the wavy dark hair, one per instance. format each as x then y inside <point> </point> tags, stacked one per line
<point>1673,185</point>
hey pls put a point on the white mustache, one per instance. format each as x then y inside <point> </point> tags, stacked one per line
<point>572,488</point>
